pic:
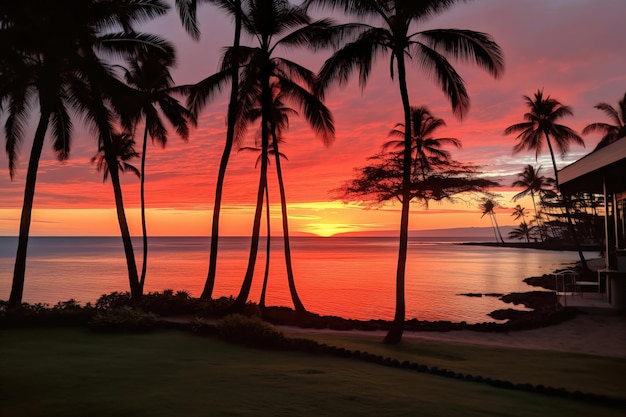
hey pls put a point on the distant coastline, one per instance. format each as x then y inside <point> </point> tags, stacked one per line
<point>537,245</point>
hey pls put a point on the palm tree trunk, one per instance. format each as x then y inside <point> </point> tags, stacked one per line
<point>539,225</point>
<point>396,331</point>
<point>207,292</point>
<point>267,249</point>
<point>144,229</point>
<point>493,226</point>
<point>242,298</point>
<point>495,221</point>
<point>19,271</point>
<point>135,287</point>
<point>299,307</point>
<point>570,225</point>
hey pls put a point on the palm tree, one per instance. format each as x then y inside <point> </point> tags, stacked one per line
<point>531,182</point>
<point>152,85</point>
<point>519,212</point>
<point>425,149</point>
<point>428,48</point>
<point>277,24</point>
<point>197,100</point>
<point>541,126</point>
<point>610,132</point>
<point>268,224</point>
<point>520,232</point>
<point>61,50</point>
<point>123,146</point>
<point>488,208</point>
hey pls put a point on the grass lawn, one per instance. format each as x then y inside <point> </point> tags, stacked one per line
<point>575,372</point>
<point>74,372</point>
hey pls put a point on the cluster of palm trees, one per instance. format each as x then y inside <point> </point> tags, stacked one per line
<point>560,217</point>
<point>89,60</point>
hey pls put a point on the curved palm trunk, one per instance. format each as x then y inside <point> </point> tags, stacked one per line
<point>19,271</point>
<point>135,287</point>
<point>566,201</point>
<point>242,298</point>
<point>207,292</point>
<point>495,221</point>
<point>299,307</point>
<point>267,248</point>
<point>397,327</point>
<point>493,226</point>
<point>144,228</point>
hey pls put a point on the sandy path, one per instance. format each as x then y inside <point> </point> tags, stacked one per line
<point>603,335</point>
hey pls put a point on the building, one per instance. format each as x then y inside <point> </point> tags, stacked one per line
<point>604,172</point>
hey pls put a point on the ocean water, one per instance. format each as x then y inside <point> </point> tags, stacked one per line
<point>352,277</point>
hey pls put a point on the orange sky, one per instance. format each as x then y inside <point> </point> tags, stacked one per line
<point>567,47</point>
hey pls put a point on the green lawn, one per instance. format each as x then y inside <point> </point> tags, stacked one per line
<point>75,372</point>
<point>575,372</point>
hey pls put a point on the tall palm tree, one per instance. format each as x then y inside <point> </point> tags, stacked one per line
<point>610,132</point>
<point>531,182</point>
<point>541,127</point>
<point>152,85</point>
<point>62,48</point>
<point>268,242</point>
<point>277,24</point>
<point>398,36</point>
<point>197,100</point>
<point>488,208</point>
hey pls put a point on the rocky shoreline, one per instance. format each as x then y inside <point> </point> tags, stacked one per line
<point>543,305</point>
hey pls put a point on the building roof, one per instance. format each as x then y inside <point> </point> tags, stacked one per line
<point>587,174</point>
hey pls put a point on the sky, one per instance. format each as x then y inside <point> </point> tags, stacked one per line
<point>568,48</point>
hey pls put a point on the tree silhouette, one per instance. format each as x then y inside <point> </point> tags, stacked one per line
<point>427,48</point>
<point>151,98</point>
<point>532,182</point>
<point>610,132</point>
<point>488,206</point>
<point>123,147</point>
<point>277,24</point>
<point>197,100</point>
<point>278,123</point>
<point>519,212</point>
<point>61,50</point>
<point>541,126</point>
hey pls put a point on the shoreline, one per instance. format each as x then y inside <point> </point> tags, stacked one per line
<point>536,245</point>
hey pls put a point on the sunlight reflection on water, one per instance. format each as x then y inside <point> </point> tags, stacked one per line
<point>348,277</point>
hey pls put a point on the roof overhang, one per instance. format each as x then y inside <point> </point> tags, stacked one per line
<point>590,172</point>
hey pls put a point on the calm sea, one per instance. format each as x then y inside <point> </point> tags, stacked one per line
<point>345,276</point>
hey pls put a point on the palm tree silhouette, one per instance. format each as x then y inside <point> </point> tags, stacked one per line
<point>488,208</point>
<point>152,85</point>
<point>519,212</point>
<point>531,182</point>
<point>425,149</point>
<point>267,221</point>
<point>610,132</point>
<point>428,49</point>
<point>197,100</point>
<point>61,49</point>
<point>541,126</point>
<point>123,146</point>
<point>277,24</point>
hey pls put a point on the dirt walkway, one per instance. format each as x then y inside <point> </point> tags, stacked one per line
<point>603,335</point>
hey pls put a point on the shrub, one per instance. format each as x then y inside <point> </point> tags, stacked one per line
<point>249,331</point>
<point>113,300</point>
<point>123,319</point>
